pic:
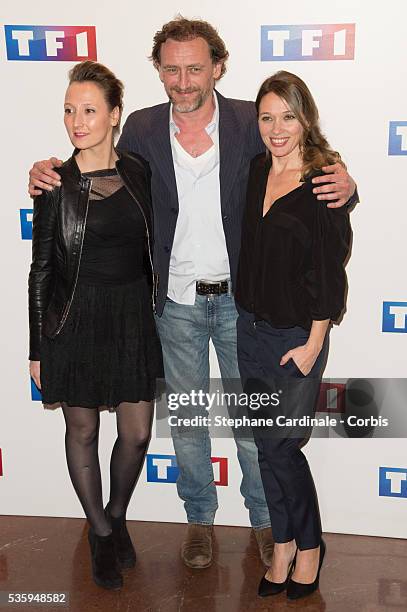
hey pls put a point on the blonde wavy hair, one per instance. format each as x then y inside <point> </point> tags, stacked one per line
<point>315,149</point>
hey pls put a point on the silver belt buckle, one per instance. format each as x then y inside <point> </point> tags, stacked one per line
<point>217,284</point>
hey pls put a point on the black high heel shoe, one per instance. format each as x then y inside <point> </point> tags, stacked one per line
<point>266,587</point>
<point>105,568</point>
<point>296,590</point>
<point>126,554</point>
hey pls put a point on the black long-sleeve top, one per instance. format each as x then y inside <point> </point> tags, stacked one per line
<point>291,266</point>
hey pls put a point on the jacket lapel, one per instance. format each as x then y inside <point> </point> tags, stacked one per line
<point>160,148</point>
<point>230,145</point>
<point>231,148</point>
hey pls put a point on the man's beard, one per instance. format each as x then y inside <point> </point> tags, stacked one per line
<point>193,105</point>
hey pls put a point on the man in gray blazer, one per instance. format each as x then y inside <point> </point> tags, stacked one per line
<point>199,146</point>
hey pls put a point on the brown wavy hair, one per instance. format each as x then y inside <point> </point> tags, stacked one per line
<point>315,149</point>
<point>182,29</point>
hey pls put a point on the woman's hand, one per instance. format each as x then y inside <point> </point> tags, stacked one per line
<point>35,373</point>
<point>304,357</point>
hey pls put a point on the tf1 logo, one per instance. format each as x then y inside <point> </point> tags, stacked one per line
<point>392,594</point>
<point>164,468</point>
<point>332,398</point>
<point>307,42</point>
<point>35,392</point>
<point>50,43</point>
<point>398,138</point>
<point>392,482</point>
<point>394,317</point>
<point>26,223</point>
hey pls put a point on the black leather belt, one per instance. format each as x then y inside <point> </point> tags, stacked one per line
<point>203,288</point>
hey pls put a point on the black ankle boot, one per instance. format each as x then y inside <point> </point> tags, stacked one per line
<point>105,567</point>
<point>126,554</point>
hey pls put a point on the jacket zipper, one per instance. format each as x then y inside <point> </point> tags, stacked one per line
<point>147,231</point>
<point>68,306</point>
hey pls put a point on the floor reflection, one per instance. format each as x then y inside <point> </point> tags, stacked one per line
<point>360,574</point>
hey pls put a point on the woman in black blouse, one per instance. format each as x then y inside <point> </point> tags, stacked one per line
<point>291,285</point>
<point>93,341</point>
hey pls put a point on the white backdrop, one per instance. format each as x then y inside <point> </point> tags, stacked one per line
<point>357,98</point>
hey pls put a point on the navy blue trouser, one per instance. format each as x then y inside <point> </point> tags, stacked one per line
<point>288,485</point>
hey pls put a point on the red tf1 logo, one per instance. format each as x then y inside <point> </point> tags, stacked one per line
<point>164,468</point>
<point>332,397</point>
<point>220,471</point>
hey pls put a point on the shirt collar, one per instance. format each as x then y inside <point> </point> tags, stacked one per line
<point>210,128</point>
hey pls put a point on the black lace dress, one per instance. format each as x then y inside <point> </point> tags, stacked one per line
<point>108,351</point>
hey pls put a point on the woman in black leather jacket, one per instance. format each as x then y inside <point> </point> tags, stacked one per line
<point>93,341</point>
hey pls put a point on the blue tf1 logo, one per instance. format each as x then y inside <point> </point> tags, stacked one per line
<point>162,468</point>
<point>392,482</point>
<point>38,43</point>
<point>35,392</point>
<point>398,138</point>
<point>308,42</point>
<point>26,223</point>
<point>394,317</point>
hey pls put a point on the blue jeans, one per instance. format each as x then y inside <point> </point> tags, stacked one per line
<point>185,332</point>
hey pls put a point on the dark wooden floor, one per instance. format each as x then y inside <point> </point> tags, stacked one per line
<point>42,554</point>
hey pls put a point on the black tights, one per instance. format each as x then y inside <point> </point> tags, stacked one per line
<point>81,444</point>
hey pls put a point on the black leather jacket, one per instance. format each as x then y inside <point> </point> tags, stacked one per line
<point>58,230</point>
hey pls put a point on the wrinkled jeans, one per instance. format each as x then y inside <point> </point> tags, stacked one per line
<point>185,332</point>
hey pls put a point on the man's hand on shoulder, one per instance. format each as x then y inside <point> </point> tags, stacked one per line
<point>42,176</point>
<point>336,184</point>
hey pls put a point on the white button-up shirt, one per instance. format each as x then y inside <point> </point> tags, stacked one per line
<point>199,249</point>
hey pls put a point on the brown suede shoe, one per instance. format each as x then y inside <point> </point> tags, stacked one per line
<point>265,542</point>
<point>196,551</point>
